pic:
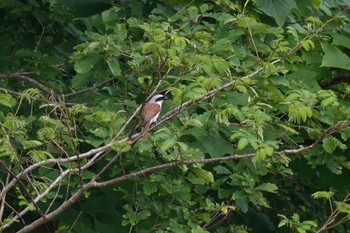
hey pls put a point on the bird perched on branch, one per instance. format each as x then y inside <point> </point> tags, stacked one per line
<point>150,113</point>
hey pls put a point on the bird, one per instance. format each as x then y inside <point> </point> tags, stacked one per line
<point>150,113</point>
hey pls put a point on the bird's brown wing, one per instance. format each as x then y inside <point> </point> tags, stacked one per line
<point>149,111</point>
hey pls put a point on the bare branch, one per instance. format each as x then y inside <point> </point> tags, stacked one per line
<point>51,186</point>
<point>28,79</point>
<point>89,88</point>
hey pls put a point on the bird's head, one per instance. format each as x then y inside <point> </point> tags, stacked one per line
<point>157,99</point>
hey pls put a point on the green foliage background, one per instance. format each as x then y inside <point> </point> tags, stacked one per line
<point>256,129</point>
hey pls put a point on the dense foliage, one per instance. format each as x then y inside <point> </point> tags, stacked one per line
<point>254,136</point>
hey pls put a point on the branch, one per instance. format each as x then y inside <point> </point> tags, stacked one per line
<point>339,78</point>
<point>94,184</point>
<point>14,93</point>
<point>89,88</point>
<point>28,79</point>
<point>335,128</point>
<point>50,187</point>
<point>23,76</point>
<point>51,161</point>
<point>328,224</point>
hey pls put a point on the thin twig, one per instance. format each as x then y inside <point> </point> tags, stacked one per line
<point>69,95</point>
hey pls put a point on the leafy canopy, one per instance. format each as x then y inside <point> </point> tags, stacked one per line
<point>256,122</point>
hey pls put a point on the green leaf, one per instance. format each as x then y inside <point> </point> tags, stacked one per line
<point>85,64</point>
<point>114,67</point>
<point>343,207</point>
<point>277,9</point>
<point>167,144</point>
<point>31,144</point>
<point>267,187</point>
<point>109,17</point>
<point>121,32</point>
<point>334,167</point>
<point>215,146</point>
<point>39,155</point>
<point>143,215</point>
<point>322,194</point>
<point>133,217</point>
<point>149,188</point>
<point>198,229</point>
<point>193,122</point>
<point>203,8</point>
<point>220,65</point>
<point>341,40</point>
<point>329,144</point>
<point>121,146</point>
<point>260,154</point>
<point>221,170</point>
<point>80,80</point>
<point>200,176</point>
<point>289,129</point>
<point>242,143</point>
<point>316,3</point>
<point>334,57</point>
<point>7,100</point>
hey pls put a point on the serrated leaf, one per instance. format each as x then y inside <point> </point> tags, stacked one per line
<point>121,146</point>
<point>85,64</point>
<point>7,100</point>
<point>194,122</point>
<point>39,155</point>
<point>242,143</point>
<point>334,167</point>
<point>341,40</point>
<point>147,46</point>
<point>289,129</point>
<point>322,194</point>
<point>305,45</point>
<point>31,144</point>
<point>328,101</point>
<point>269,150</point>
<point>80,80</point>
<point>143,215</point>
<point>198,229</point>
<point>329,144</point>
<point>277,9</point>
<point>260,154</point>
<point>267,187</point>
<point>201,176</point>
<point>203,8</point>
<point>334,57</point>
<point>343,207</point>
<point>114,67</point>
<point>215,146</point>
<point>167,144</point>
<point>149,188</point>
<point>221,170</point>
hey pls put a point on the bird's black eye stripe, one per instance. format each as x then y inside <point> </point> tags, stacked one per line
<point>160,98</point>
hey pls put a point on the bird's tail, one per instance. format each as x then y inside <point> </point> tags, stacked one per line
<point>145,130</point>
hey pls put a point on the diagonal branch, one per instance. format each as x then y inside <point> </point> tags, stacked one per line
<point>93,184</point>
<point>68,95</point>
